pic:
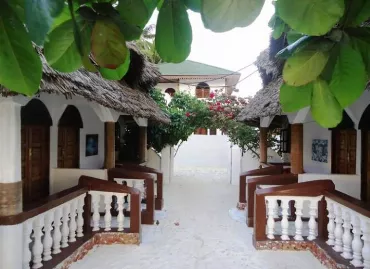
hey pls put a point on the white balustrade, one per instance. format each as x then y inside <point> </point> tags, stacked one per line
<point>80,219</point>
<point>331,224</point>
<point>45,234</point>
<point>134,183</point>
<point>120,217</point>
<point>73,223</point>
<point>352,234</point>
<point>107,216</point>
<point>286,210</point>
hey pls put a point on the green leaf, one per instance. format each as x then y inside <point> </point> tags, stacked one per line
<point>328,71</point>
<point>108,45</point>
<point>295,98</point>
<point>118,73</point>
<point>64,16</point>
<point>278,28</point>
<point>20,65</point>
<point>194,5</point>
<point>304,67</point>
<point>39,17</point>
<point>134,12</point>
<point>311,17</point>
<point>130,32</point>
<point>18,8</point>
<point>362,11</point>
<point>292,36</point>
<point>173,32</point>
<point>87,13</point>
<point>61,51</point>
<point>224,15</point>
<point>325,108</point>
<point>360,40</point>
<point>349,77</point>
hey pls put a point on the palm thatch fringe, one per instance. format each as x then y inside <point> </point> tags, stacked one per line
<point>265,103</point>
<point>91,86</point>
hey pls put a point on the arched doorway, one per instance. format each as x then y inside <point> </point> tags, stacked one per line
<point>69,138</point>
<point>202,90</point>
<point>35,150</point>
<point>364,126</point>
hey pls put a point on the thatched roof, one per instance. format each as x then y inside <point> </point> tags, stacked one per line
<point>91,86</point>
<point>142,74</point>
<point>265,103</point>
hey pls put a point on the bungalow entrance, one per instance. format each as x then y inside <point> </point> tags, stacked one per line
<point>35,142</point>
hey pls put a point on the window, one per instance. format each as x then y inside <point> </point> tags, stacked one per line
<point>285,140</point>
<point>202,90</point>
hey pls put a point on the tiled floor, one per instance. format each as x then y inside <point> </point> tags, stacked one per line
<point>196,232</point>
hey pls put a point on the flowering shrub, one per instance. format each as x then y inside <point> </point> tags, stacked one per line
<point>188,113</point>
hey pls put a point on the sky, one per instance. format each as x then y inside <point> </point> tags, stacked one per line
<point>231,50</point>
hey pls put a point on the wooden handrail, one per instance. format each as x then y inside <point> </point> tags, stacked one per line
<point>135,167</point>
<point>43,205</point>
<point>147,214</point>
<point>311,188</point>
<point>94,184</point>
<point>350,202</point>
<point>273,170</point>
<point>282,179</point>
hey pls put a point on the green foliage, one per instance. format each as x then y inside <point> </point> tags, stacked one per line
<point>311,17</point>
<point>118,73</point>
<point>173,33</point>
<point>295,98</point>
<point>224,15</point>
<point>188,113</point>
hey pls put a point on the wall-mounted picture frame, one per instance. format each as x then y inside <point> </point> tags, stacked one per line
<point>92,145</point>
<point>320,150</point>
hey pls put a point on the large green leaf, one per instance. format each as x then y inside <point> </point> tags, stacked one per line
<point>173,32</point>
<point>349,77</point>
<point>304,67</point>
<point>360,11</point>
<point>224,15</point>
<point>18,8</point>
<point>295,98</point>
<point>194,5</point>
<point>294,47</point>
<point>20,65</point>
<point>325,108</point>
<point>118,73</point>
<point>134,12</point>
<point>311,17</point>
<point>39,17</point>
<point>108,45</point>
<point>360,40</point>
<point>292,36</point>
<point>60,50</point>
<point>129,31</point>
<point>64,16</point>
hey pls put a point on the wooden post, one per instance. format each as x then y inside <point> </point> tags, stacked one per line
<point>263,144</point>
<point>110,145</point>
<point>296,149</point>
<point>143,144</point>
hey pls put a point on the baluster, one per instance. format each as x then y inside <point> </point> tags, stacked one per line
<point>57,236</point>
<point>120,217</point>
<point>37,244</point>
<point>347,236</point>
<point>284,221</point>
<point>107,216</point>
<point>48,241</point>
<point>298,220</point>
<point>65,229</point>
<point>72,222</point>
<point>271,204</point>
<point>80,219</point>
<point>338,231</point>
<point>312,224</point>
<point>366,249</point>
<point>276,210</point>
<point>27,256</point>
<point>331,224</point>
<point>95,199</point>
<point>356,242</point>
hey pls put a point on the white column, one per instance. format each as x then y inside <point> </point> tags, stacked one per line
<point>312,225</point>
<point>65,225</point>
<point>366,249</point>
<point>235,164</point>
<point>80,219</point>
<point>95,199</point>
<point>57,235</point>
<point>338,231</point>
<point>27,256</point>
<point>11,243</point>
<point>347,236</point>
<point>165,164</point>
<point>120,217</point>
<point>107,216</point>
<point>48,240</point>
<point>356,242</point>
<point>37,244</point>
<point>298,222</point>
<point>271,204</point>
<point>284,221</point>
<point>72,222</point>
<point>331,224</point>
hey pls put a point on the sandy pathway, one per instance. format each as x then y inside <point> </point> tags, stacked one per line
<point>206,238</point>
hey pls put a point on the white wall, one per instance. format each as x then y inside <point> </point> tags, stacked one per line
<point>311,130</point>
<point>154,160</point>
<point>348,184</point>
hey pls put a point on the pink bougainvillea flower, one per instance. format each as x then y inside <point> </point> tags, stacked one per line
<point>218,103</point>
<point>187,114</point>
<point>228,101</point>
<point>211,95</point>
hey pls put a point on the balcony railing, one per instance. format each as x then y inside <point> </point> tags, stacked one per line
<point>315,214</point>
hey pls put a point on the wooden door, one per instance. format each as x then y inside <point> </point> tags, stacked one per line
<point>344,151</point>
<point>365,165</point>
<point>68,147</point>
<point>35,162</point>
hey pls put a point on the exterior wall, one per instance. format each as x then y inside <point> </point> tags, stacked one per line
<point>349,184</point>
<point>154,160</point>
<point>214,85</point>
<point>62,179</point>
